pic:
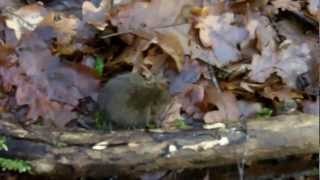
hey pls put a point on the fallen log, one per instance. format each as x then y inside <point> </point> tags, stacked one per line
<point>95,154</point>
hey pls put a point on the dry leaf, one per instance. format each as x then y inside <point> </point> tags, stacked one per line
<point>189,74</point>
<point>177,42</point>
<point>281,93</point>
<point>218,33</point>
<point>191,100</point>
<point>145,15</point>
<point>314,6</point>
<point>287,5</point>
<point>289,62</point>
<point>96,16</point>
<point>50,88</point>
<point>311,107</point>
<point>227,106</point>
<point>24,19</point>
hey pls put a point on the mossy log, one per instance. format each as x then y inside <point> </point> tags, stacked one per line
<point>95,154</point>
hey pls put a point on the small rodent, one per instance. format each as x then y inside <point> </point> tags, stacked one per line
<point>128,101</point>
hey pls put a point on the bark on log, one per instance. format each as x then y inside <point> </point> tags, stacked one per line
<point>75,153</point>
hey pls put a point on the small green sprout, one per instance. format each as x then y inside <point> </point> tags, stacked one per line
<point>181,124</point>
<point>264,113</point>
<point>99,66</point>
<point>151,125</point>
<point>3,145</point>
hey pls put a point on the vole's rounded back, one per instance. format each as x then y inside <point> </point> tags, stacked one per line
<point>129,101</point>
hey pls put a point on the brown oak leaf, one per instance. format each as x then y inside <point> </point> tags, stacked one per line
<point>219,33</point>
<point>289,62</point>
<point>226,103</point>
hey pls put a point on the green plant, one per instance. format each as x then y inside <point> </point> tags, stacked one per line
<point>99,66</point>
<point>20,166</point>
<point>181,124</point>
<point>3,145</point>
<point>264,113</point>
<point>39,123</point>
<point>151,125</point>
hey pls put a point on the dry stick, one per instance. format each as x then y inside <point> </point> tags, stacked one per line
<point>135,152</point>
<point>213,79</point>
<point>136,31</point>
<point>115,34</point>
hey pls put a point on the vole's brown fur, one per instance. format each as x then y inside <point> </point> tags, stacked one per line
<point>130,101</point>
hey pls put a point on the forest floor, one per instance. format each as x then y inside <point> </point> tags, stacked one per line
<point>220,61</point>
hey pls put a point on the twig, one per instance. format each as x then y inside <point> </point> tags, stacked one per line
<point>136,31</point>
<point>213,78</point>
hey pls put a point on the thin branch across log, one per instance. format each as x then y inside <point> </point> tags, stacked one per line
<point>94,154</point>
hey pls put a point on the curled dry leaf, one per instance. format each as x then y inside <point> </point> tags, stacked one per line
<point>68,31</point>
<point>189,94</point>
<point>226,103</point>
<point>260,28</point>
<point>222,36</point>
<point>262,65</point>
<point>144,14</point>
<point>24,19</point>
<point>172,45</point>
<point>287,5</point>
<point>51,24</point>
<point>314,6</point>
<point>289,62</point>
<point>282,94</point>
<point>177,42</point>
<point>311,107</point>
<point>96,16</point>
<point>292,29</point>
<point>191,99</point>
<point>189,74</point>
<point>64,26</point>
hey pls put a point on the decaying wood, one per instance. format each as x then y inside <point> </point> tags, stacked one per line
<point>94,154</point>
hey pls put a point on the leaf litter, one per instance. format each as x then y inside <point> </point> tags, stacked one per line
<point>52,59</point>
